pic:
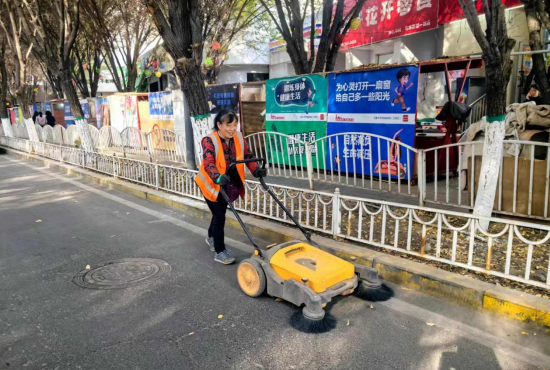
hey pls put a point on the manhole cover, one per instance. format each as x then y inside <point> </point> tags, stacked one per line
<point>124,273</point>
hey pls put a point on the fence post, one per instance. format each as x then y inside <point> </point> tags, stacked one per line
<point>309,165</point>
<point>83,159</point>
<point>421,176</point>
<point>336,216</point>
<point>157,175</point>
<point>114,165</point>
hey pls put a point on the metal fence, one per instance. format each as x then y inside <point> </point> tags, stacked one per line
<point>445,175</point>
<point>510,249</point>
<point>357,168</point>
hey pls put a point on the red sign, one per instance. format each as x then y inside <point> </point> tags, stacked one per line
<point>450,10</point>
<point>385,19</point>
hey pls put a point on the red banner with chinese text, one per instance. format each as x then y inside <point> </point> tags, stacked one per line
<point>386,19</point>
<point>450,10</point>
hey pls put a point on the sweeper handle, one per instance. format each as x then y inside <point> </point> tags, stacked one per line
<point>266,188</point>
<point>224,195</point>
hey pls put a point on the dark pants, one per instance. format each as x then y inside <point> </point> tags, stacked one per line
<point>217,224</point>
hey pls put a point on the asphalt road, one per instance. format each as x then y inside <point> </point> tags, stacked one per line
<point>47,322</point>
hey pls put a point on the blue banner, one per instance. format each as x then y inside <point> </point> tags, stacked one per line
<point>85,108</point>
<point>69,118</point>
<point>161,107</point>
<point>381,102</point>
<point>47,106</point>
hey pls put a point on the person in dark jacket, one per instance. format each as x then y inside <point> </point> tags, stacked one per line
<point>50,119</point>
<point>534,94</point>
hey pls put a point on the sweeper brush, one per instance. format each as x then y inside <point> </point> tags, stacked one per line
<point>302,274</point>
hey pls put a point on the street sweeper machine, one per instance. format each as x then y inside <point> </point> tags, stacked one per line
<point>302,274</point>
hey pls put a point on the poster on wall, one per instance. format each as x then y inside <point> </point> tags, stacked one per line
<point>161,107</point>
<point>296,107</point>
<point>222,97</point>
<point>46,107</point>
<point>85,108</point>
<point>102,112</point>
<point>381,102</point>
<point>69,118</point>
<point>130,111</point>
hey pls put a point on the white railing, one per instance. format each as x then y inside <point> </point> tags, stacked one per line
<point>523,183</point>
<point>349,158</point>
<point>479,110</point>
<point>285,155</point>
<point>164,144</point>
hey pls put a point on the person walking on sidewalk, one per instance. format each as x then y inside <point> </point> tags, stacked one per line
<point>220,149</point>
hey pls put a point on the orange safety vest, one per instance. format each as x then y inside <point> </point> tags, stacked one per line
<point>208,187</point>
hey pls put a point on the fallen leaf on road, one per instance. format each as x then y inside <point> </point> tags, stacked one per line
<point>192,333</point>
<point>402,288</point>
<point>75,201</point>
<point>371,307</point>
<point>430,324</point>
<point>524,333</point>
<point>127,213</point>
<point>278,300</point>
<point>112,236</point>
<point>38,220</point>
<point>348,323</point>
<point>220,316</point>
<point>88,267</point>
<point>74,237</point>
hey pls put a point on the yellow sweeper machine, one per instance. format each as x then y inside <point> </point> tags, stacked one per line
<point>301,273</point>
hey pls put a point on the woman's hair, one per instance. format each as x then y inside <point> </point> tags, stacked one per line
<point>40,114</point>
<point>224,116</point>
<point>48,113</point>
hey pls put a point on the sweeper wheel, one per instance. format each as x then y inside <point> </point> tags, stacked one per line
<point>251,278</point>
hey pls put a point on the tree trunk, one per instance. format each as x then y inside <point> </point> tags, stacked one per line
<point>70,93</point>
<point>539,64</point>
<point>496,83</point>
<point>192,86</point>
<point>4,84</point>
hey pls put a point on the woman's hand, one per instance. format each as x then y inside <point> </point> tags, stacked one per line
<point>223,180</point>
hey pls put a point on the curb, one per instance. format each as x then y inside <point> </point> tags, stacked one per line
<point>412,275</point>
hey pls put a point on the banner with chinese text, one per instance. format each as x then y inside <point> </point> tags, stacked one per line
<point>380,102</point>
<point>385,19</point>
<point>297,107</point>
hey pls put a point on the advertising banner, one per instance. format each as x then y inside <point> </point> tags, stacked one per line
<point>85,108</point>
<point>296,107</point>
<point>46,106</point>
<point>386,19</point>
<point>103,113</point>
<point>161,107</point>
<point>381,102</point>
<point>69,118</point>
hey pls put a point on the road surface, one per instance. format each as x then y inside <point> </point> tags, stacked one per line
<point>48,322</point>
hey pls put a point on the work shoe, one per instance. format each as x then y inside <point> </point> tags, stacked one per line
<point>210,242</point>
<point>224,258</point>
